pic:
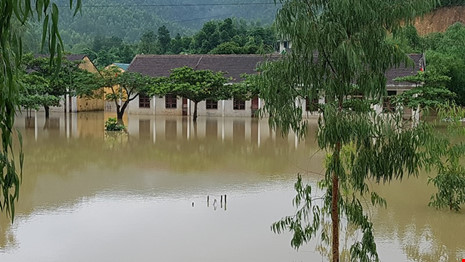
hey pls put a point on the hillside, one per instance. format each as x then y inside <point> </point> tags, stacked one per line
<point>440,19</point>
<point>128,20</point>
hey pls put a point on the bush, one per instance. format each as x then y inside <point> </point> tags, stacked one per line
<point>112,125</point>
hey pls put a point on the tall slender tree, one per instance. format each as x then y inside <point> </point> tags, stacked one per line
<point>164,39</point>
<point>339,50</point>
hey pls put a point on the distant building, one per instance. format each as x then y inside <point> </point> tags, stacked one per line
<point>161,65</point>
<point>283,46</point>
<point>80,104</point>
<point>234,66</point>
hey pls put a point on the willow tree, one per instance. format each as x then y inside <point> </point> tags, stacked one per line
<point>339,50</point>
<point>15,14</point>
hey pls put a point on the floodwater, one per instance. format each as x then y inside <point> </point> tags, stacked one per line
<point>142,196</point>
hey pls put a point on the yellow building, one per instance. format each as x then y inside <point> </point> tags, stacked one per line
<point>81,104</point>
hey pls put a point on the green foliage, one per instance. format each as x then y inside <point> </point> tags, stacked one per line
<point>126,87</point>
<point>448,160</point>
<point>148,43</point>
<point>113,125</point>
<point>350,40</point>
<point>444,55</point>
<point>233,37</point>
<point>196,85</point>
<point>44,86</point>
<point>246,89</point>
<point>430,91</point>
<point>14,15</point>
<point>164,39</point>
<point>450,182</point>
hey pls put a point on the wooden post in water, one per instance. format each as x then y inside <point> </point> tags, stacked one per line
<point>208,201</point>
<point>225,202</point>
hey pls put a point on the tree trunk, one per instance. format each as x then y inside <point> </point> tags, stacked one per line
<point>119,115</point>
<point>47,112</point>
<point>335,199</point>
<point>195,112</point>
<point>335,211</point>
<point>120,111</point>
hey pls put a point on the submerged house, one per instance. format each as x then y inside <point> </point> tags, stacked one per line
<point>234,66</point>
<point>80,104</point>
<point>75,103</point>
<point>161,65</point>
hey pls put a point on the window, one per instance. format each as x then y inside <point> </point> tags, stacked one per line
<point>238,104</point>
<point>311,105</point>
<point>387,106</point>
<point>170,101</point>
<point>211,104</point>
<point>144,101</point>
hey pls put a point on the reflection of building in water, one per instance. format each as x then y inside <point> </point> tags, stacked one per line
<point>84,124</point>
<point>156,128</point>
<point>236,130</point>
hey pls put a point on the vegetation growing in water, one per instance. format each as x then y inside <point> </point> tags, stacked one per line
<point>113,125</point>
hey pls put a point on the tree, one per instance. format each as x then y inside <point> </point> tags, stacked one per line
<point>125,87</point>
<point>227,48</point>
<point>148,43</point>
<point>176,44</point>
<point>16,14</point>
<point>34,95</point>
<point>46,87</point>
<point>164,39</point>
<point>196,85</point>
<point>429,92</point>
<point>450,179</point>
<point>339,49</point>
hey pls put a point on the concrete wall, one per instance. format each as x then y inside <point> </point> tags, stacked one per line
<point>157,107</point>
<point>225,107</point>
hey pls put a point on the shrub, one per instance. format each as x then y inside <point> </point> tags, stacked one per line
<point>112,125</point>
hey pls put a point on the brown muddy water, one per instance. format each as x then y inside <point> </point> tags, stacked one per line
<point>91,196</point>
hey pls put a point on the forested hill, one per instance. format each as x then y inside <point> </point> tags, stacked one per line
<point>129,19</point>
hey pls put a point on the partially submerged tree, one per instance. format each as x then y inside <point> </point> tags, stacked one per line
<point>45,86</point>
<point>338,45</point>
<point>15,14</point>
<point>450,178</point>
<point>446,156</point>
<point>125,87</point>
<point>196,85</point>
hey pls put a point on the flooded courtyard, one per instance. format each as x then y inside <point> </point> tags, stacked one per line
<point>88,195</point>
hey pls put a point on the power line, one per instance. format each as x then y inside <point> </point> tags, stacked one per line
<point>201,18</point>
